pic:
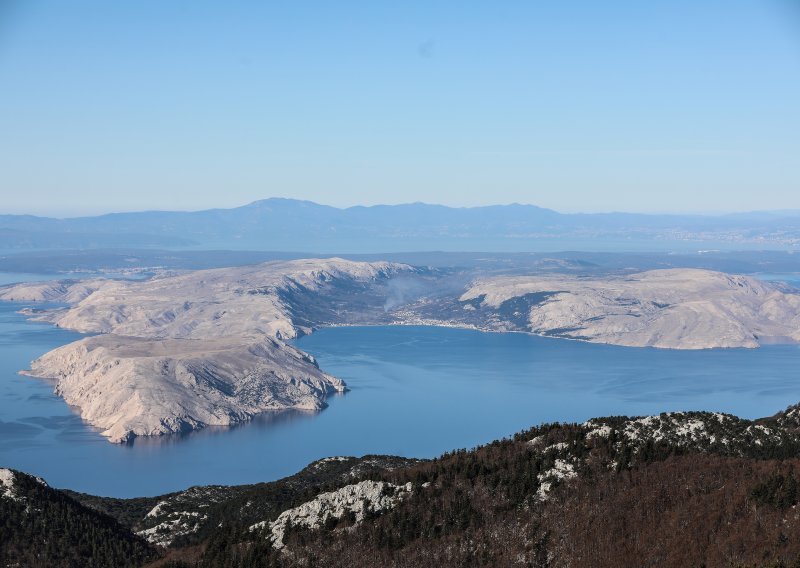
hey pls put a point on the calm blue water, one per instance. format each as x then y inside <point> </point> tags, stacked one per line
<point>792,278</point>
<point>414,391</point>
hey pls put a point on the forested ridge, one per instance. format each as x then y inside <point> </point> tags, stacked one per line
<point>680,489</point>
<point>43,527</point>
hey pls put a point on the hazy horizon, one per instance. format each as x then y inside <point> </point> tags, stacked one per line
<point>99,211</point>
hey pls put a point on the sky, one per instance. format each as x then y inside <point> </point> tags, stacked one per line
<point>662,106</point>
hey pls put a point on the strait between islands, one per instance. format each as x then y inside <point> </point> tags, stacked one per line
<point>210,347</point>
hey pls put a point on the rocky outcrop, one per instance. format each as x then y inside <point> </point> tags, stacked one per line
<point>179,514</point>
<point>631,440</point>
<point>357,500</point>
<point>7,484</point>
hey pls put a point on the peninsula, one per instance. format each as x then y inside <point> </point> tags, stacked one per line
<point>209,347</point>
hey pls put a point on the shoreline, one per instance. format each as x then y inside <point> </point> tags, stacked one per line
<point>471,327</point>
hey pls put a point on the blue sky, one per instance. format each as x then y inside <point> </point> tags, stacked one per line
<point>669,106</point>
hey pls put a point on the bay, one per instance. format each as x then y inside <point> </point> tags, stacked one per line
<point>414,391</point>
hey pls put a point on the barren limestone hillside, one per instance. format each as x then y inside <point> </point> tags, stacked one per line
<point>676,309</point>
<point>209,347</point>
<point>199,349</point>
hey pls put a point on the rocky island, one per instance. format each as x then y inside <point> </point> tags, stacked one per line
<point>200,349</point>
<point>209,347</point>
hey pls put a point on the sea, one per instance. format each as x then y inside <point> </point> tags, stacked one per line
<point>413,391</point>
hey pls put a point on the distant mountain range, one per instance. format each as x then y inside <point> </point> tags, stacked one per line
<point>304,226</point>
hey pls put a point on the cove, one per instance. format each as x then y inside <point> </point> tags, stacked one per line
<point>414,391</point>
